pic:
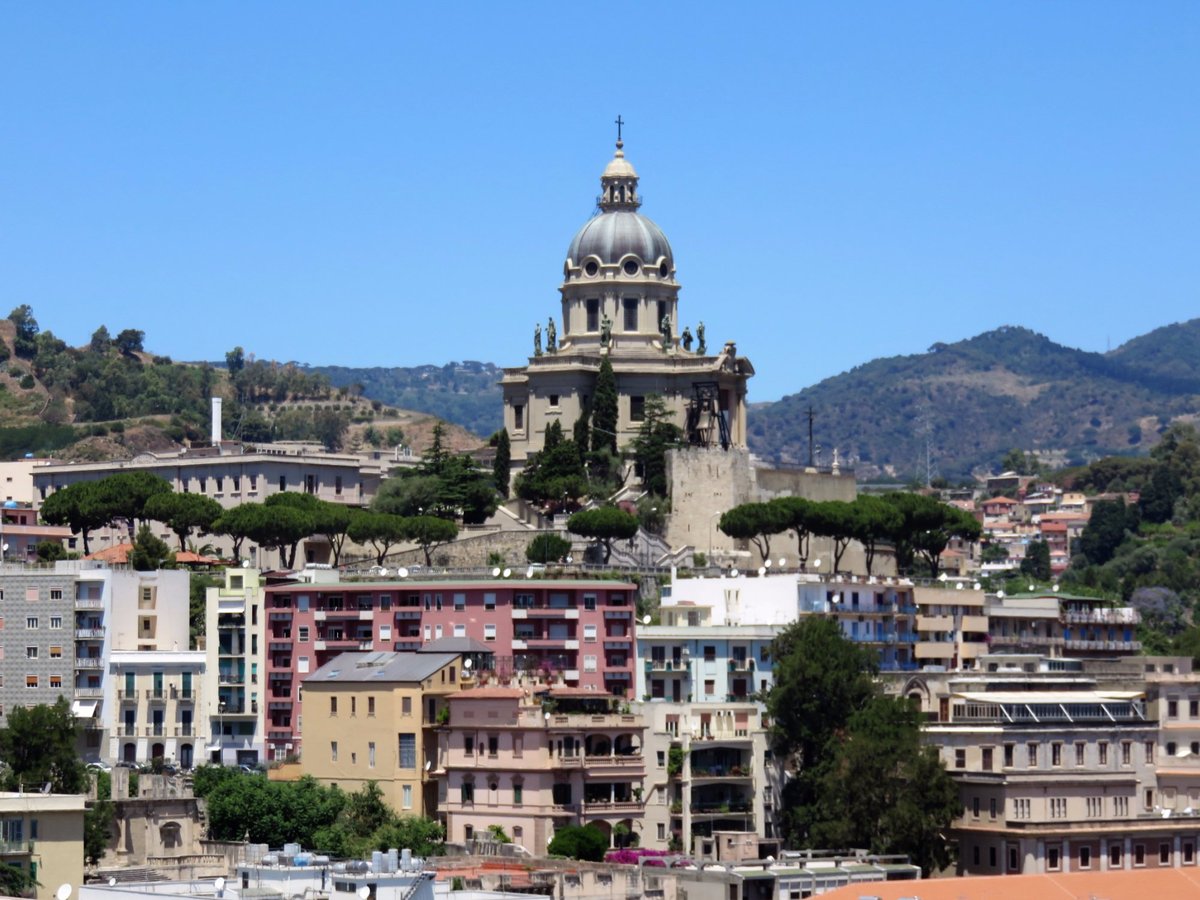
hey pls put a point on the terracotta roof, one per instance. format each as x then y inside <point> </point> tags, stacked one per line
<point>488,693</point>
<point>565,691</point>
<point>1000,500</point>
<point>117,554</point>
<point>1054,526</point>
<point>1131,884</point>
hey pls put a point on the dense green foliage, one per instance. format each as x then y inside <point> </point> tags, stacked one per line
<point>149,552</point>
<point>502,464</point>
<point>443,485</point>
<point>1147,555</point>
<point>183,513</point>
<point>547,547</point>
<point>586,842</point>
<point>252,807</point>
<point>604,409</point>
<point>656,435</point>
<point>38,747</point>
<point>603,525</point>
<point>839,733</point>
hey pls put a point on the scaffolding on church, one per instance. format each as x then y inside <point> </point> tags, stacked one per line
<point>706,423</point>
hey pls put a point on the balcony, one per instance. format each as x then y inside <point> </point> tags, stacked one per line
<point>185,694</point>
<point>742,807</point>
<point>89,662</point>
<point>612,807</point>
<point>279,615</point>
<point>128,696</point>
<point>81,603</point>
<point>184,731</point>
<point>1116,616</point>
<point>13,848</point>
<point>156,695</point>
<point>88,692</point>
<point>721,773</point>
<point>975,624</point>
<point>1096,646</point>
<point>668,666</point>
<point>935,623</point>
<point>232,678</point>
<point>741,665</point>
<point>89,634</point>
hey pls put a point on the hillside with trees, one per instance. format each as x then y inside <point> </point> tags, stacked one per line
<point>970,402</point>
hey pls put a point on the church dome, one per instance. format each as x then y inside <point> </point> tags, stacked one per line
<point>616,233</point>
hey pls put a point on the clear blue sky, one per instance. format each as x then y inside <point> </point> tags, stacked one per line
<point>397,184</point>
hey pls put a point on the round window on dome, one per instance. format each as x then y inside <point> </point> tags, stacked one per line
<point>591,268</point>
<point>663,270</point>
<point>631,267</point>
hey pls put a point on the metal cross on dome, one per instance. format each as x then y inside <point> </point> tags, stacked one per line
<point>619,123</point>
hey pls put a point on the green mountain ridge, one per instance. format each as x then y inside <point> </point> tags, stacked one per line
<point>967,403</point>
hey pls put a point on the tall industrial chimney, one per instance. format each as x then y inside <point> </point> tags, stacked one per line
<point>216,421</point>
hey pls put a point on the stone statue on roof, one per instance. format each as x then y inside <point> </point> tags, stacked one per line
<point>537,339</point>
<point>701,346</point>
<point>551,337</point>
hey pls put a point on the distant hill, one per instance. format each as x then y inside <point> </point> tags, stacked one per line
<point>465,393</point>
<point>970,402</point>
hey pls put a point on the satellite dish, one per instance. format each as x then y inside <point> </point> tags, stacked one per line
<point>428,764</point>
<point>496,572</point>
<point>402,572</point>
<point>245,563</point>
<point>1055,589</point>
<point>782,562</point>
<point>507,572</point>
<point>976,586</point>
<point>219,884</point>
<point>1033,587</point>
<point>112,882</point>
<point>1000,594</point>
<point>63,892</point>
<point>363,892</point>
<point>467,663</point>
<point>762,570</point>
<point>836,598</point>
<point>959,586</point>
<point>766,564</point>
<point>733,573</point>
<point>570,560</point>
<point>646,620</point>
<point>529,572</point>
<point>816,564</point>
<point>383,572</point>
<point>942,577</point>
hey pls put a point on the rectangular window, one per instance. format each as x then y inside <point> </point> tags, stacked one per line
<point>630,306</point>
<point>1052,858</point>
<point>408,751</point>
<point>56,621</point>
<point>589,601</point>
<point>1080,751</point>
<point>489,632</point>
<point>371,754</point>
<point>468,745</point>
<point>593,314</point>
<point>1148,798</point>
<point>460,602</point>
<point>31,622</point>
<point>589,633</point>
<point>468,792</point>
<point>1172,709</point>
<point>1102,751</point>
<point>1189,853</point>
<point>637,409</point>
<point>1009,749</point>
<point>1164,854</point>
<point>31,681</point>
<point>333,706</point>
<point>1085,857</point>
<point>518,417</point>
<point>489,601</point>
<point>1148,751</point>
<point>303,634</point>
<point>354,706</point>
<point>370,706</point>
<point>1126,753</point>
<point>493,745</point>
<point>1114,856</point>
<point>406,796</point>
<point>31,652</point>
<point>405,706</point>
<point>1031,750</point>
<point>1056,753</point>
<point>987,759</point>
<point>333,751</point>
<point>1139,854</point>
<point>55,652</point>
<point>960,758</point>
<point>518,793</point>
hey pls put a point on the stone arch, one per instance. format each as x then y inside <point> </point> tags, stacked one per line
<point>598,745</point>
<point>170,835</point>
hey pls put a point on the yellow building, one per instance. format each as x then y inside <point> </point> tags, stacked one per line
<point>42,834</point>
<point>370,717</point>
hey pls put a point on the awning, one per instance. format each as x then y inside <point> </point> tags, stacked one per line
<point>84,709</point>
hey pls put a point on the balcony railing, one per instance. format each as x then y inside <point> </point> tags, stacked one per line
<point>89,634</point>
<point>89,662</point>
<point>10,848</point>
<point>184,731</point>
<point>159,694</point>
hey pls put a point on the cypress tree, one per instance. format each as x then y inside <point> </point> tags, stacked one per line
<point>502,465</point>
<point>604,410</point>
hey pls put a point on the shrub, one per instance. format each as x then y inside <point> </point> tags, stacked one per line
<point>586,842</point>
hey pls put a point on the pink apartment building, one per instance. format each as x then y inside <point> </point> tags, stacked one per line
<point>535,759</point>
<point>580,633</point>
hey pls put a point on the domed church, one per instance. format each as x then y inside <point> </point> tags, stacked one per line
<point>620,299</point>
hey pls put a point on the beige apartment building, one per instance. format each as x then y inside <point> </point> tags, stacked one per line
<point>532,760</point>
<point>371,717</point>
<point>42,835</point>
<point>159,707</point>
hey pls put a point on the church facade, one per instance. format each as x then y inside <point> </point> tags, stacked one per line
<point>620,300</point>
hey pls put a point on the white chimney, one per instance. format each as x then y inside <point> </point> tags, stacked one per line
<point>216,421</point>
